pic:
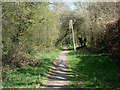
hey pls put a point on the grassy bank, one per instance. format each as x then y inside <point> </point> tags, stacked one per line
<point>93,71</point>
<point>30,76</point>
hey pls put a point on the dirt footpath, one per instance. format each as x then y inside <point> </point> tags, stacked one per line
<point>59,73</point>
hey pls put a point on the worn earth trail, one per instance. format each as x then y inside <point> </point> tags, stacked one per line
<point>58,75</point>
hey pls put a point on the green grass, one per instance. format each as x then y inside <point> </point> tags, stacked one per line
<point>93,71</point>
<point>71,47</point>
<point>30,76</point>
<point>68,47</point>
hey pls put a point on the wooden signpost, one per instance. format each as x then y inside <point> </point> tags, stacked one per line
<point>71,27</point>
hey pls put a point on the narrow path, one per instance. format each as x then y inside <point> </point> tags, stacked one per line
<point>59,73</point>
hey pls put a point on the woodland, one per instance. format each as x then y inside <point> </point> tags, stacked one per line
<point>34,33</point>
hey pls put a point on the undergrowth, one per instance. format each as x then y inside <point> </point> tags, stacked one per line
<point>30,76</point>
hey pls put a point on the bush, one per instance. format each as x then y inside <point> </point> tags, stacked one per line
<point>113,38</point>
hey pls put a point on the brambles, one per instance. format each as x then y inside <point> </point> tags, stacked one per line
<point>113,38</point>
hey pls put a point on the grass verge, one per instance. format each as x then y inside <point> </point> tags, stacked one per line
<point>30,76</point>
<point>93,71</point>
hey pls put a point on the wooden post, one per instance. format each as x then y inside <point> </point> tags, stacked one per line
<point>71,27</point>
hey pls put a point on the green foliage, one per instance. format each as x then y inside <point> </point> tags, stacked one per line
<point>28,27</point>
<point>30,76</point>
<point>99,13</point>
<point>33,27</point>
<point>89,21</point>
<point>93,71</point>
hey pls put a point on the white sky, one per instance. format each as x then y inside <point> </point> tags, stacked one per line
<point>71,5</point>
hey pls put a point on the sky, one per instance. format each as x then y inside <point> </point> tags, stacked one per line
<point>71,5</point>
